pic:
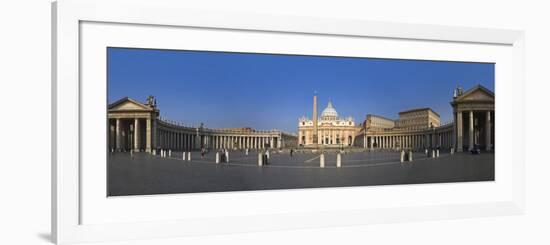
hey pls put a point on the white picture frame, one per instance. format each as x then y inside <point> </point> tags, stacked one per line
<point>67,18</point>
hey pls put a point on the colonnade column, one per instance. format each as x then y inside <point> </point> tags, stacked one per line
<point>118,136</point>
<point>148,135</point>
<point>136,134</point>
<point>471,131</point>
<point>488,142</point>
<point>459,133</point>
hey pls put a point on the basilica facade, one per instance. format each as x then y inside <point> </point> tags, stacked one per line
<point>327,130</point>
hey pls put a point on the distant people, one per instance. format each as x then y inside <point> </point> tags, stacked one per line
<point>202,153</point>
<point>291,152</point>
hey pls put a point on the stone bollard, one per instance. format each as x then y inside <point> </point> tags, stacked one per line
<point>402,155</point>
<point>260,158</point>
<point>246,151</point>
<point>161,153</point>
<point>217,157</point>
<point>452,151</point>
<point>183,155</point>
<point>170,153</point>
<point>227,156</point>
<point>437,153</point>
<point>267,154</point>
<point>322,160</point>
<point>154,152</point>
<point>433,153</point>
<point>338,160</point>
<point>188,156</point>
<point>427,155</point>
<point>410,156</point>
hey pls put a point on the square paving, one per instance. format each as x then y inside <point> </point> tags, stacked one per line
<point>144,174</point>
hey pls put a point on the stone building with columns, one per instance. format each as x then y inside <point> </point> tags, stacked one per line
<point>136,126</point>
<point>473,112</point>
<point>328,131</point>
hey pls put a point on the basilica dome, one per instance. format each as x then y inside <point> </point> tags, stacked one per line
<point>329,113</point>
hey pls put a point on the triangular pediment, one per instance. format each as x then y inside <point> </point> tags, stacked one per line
<point>127,104</point>
<point>478,93</point>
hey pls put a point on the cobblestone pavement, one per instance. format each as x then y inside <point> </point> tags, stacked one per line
<point>141,173</point>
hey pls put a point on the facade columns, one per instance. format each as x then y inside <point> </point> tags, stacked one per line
<point>136,135</point>
<point>488,142</point>
<point>118,134</point>
<point>459,134</point>
<point>148,135</point>
<point>471,131</point>
<point>185,141</point>
<point>112,136</point>
<point>154,140</point>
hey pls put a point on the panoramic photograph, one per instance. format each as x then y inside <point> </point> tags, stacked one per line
<point>190,121</point>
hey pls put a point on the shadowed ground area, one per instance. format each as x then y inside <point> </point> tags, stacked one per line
<point>141,173</point>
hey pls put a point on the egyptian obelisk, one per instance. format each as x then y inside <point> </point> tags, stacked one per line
<point>315,137</point>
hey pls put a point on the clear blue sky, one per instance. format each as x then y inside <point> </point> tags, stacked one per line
<point>265,91</point>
